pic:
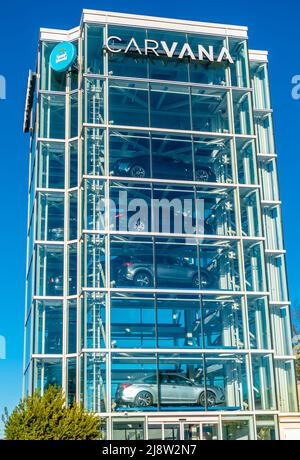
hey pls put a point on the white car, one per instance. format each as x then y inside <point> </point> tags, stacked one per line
<point>173,389</point>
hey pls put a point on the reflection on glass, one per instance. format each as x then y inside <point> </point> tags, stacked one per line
<point>47,372</point>
<point>48,328</point>
<point>236,430</point>
<point>51,165</point>
<point>52,116</point>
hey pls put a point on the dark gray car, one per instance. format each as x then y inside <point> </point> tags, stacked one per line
<point>172,270</point>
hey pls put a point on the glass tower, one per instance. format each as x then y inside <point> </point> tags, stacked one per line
<point>156,290</point>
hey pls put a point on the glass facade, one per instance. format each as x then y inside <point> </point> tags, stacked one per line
<point>156,280</point>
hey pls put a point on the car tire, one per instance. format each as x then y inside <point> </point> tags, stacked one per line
<point>208,400</point>
<point>202,175</point>
<point>205,280</point>
<point>138,171</point>
<point>143,279</point>
<point>143,399</point>
<point>196,282</point>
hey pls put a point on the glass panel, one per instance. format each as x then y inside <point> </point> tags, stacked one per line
<point>210,432</point>
<point>191,432</point>
<point>71,380</point>
<point>259,327</point>
<point>73,165</point>
<point>50,221</point>
<point>93,320</point>
<point>50,80</point>
<point>128,103</point>
<point>277,278</point>
<point>93,262</point>
<point>94,101</point>
<point>219,265</point>
<point>213,155</point>
<point>222,318</point>
<point>285,374</point>
<point>130,207</point>
<point>181,382</point>
<point>260,83</point>
<point>250,212</point>
<point>170,107</point>
<point>132,63</point>
<point>281,325</point>
<point>264,131</point>
<point>73,220</point>
<point>49,272</point>
<point>242,112</point>
<point>72,326</point>
<point>94,208</point>
<point>272,227</point>
<point>172,157</point>
<point>47,372</point>
<point>131,262</point>
<point>94,49</point>
<point>48,334</point>
<point>210,110</point>
<point>132,321</point>
<point>94,152</point>
<point>236,430</point>
<point>133,429</point>
<point>268,179</point>
<point>226,381</point>
<point>51,165</point>
<point>95,399</point>
<point>178,321</point>
<point>263,383</point>
<point>239,70</point>
<point>266,428</point>
<point>171,432</point>
<point>72,268</point>
<point>206,72</point>
<point>163,67</point>
<point>254,267</point>
<point>177,265</point>
<point>134,381</point>
<point>52,116</point>
<point>73,115</point>
<point>155,432</point>
<point>246,158</point>
<point>219,210</point>
<point>129,154</point>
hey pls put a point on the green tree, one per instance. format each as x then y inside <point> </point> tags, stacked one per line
<point>48,417</point>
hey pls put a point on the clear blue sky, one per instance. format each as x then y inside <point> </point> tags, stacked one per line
<point>271,25</point>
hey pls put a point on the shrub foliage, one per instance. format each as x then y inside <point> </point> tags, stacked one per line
<point>48,417</point>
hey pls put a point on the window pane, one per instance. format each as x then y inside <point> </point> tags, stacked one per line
<point>170,107</point>
<point>93,50</point>
<point>51,165</point>
<point>48,328</point>
<point>128,103</point>
<point>52,116</point>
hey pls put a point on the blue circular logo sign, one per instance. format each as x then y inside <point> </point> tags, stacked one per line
<point>63,56</point>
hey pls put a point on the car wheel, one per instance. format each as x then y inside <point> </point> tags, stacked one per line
<point>202,175</point>
<point>138,171</point>
<point>205,280</point>
<point>143,279</point>
<point>143,399</point>
<point>196,282</point>
<point>208,400</point>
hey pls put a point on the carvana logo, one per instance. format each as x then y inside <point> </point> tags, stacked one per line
<point>63,56</point>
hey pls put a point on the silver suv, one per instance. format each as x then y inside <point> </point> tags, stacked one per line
<point>171,270</point>
<point>173,389</point>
